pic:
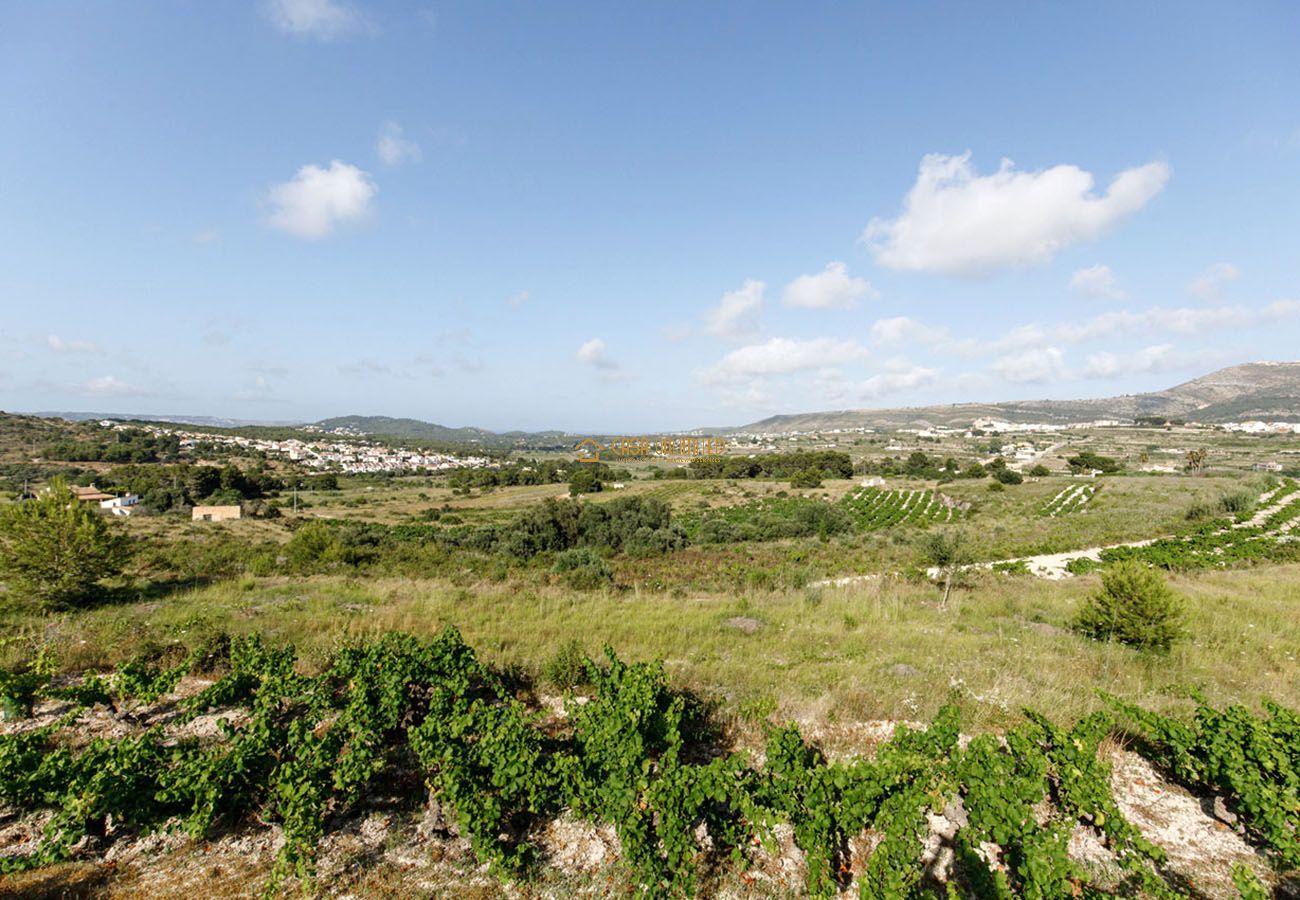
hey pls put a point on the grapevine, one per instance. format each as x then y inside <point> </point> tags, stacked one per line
<point>304,750</point>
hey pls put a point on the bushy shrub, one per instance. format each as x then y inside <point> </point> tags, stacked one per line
<point>1008,476</point>
<point>1086,460</point>
<point>1135,606</point>
<point>632,524</point>
<point>1237,503</point>
<point>802,518</point>
<point>622,524</point>
<point>647,541</point>
<point>808,478</point>
<point>582,569</point>
<point>224,497</point>
<point>717,530</point>
<point>826,463</point>
<point>584,481</point>
<point>1038,470</point>
<point>567,668</point>
<point>313,546</point>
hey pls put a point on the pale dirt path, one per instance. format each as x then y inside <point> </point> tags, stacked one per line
<point>1038,456</point>
<point>1052,565</point>
<point>1047,565</point>
<point>1260,517</point>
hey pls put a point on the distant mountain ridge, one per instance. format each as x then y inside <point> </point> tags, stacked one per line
<point>388,426</point>
<point>401,427</point>
<point>205,421</point>
<point>1259,390</point>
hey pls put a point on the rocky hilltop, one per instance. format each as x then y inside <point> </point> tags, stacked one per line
<point>1258,390</point>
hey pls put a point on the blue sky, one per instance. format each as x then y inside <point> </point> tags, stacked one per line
<point>620,217</point>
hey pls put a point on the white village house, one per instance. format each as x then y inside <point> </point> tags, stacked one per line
<point>121,506</point>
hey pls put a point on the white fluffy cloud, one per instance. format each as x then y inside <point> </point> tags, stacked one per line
<point>958,222</point>
<point>898,376</point>
<point>324,20</point>
<point>1035,366</point>
<point>1039,345</point>
<point>1021,337</point>
<point>59,345</point>
<point>1208,286</point>
<point>593,354</point>
<point>737,315</point>
<point>784,356</point>
<point>109,386</point>
<point>1279,310</point>
<point>316,200</point>
<point>904,330</point>
<point>831,288</point>
<point>1158,358</point>
<point>394,149</point>
<point>364,367</point>
<point>258,391</point>
<point>1098,282</point>
<point>518,299</point>
<point>1182,320</point>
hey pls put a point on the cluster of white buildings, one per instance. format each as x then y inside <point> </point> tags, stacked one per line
<point>341,456</point>
<point>327,456</point>
<point>1262,427</point>
<point>998,426</point>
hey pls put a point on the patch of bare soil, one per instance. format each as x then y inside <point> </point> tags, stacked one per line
<point>1202,848</point>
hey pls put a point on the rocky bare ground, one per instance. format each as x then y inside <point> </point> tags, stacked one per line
<point>402,843</point>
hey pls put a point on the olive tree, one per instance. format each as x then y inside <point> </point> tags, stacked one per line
<point>947,552</point>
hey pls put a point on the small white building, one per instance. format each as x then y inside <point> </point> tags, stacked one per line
<point>120,506</point>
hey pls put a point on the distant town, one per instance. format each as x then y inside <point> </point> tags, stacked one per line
<point>352,456</point>
<point>1000,426</point>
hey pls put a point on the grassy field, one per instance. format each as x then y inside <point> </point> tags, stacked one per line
<point>883,649</point>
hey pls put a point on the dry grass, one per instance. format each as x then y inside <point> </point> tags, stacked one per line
<point>878,650</point>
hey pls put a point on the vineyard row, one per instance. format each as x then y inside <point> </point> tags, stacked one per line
<point>302,751</point>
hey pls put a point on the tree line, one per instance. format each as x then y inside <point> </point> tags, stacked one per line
<point>129,445</point>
